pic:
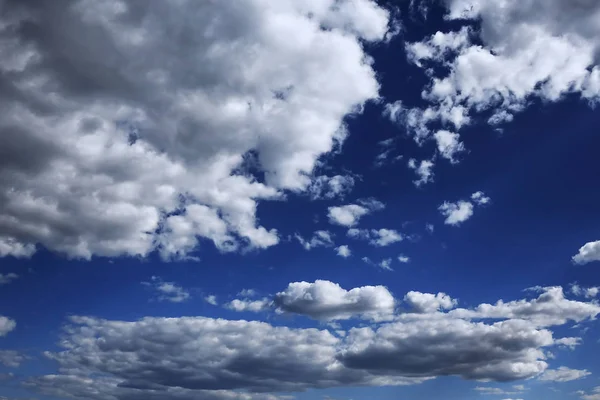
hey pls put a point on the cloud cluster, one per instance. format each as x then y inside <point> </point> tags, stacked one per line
<point>205,358</point>
<point>552,44</point>
<point>328,301</point>
<point>588,253</point>
<point>460,211</point>
<point>6,325</point>
<point>11,358</point>
<point>376,237</point>
<point>135,127</point>
<point>349,214</point>
<point>319,239</point>
<point>167,291</point>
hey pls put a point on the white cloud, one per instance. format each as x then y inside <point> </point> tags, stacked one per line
<point>386,264</point>
<point>456,213</point>
<point>325,300</point>
<point>319,239</point>
<point>343,251</point>
<point>167,291</point>
<point>403,259</point>
<point>11,358</point>
<point>587,292</point>
<point>6,325</point>
<point>588,253</point>
<point>350,214</point>
<point>211,299</point>
<point>430,228</point>
<point>429,303</point>
<point>376,237</point>
<point>449,144</point>
<point>460,211</point>
<point>248,293</point>
<point>423,171</point>
<point>563,374</point>
<point>593,395</point>
<point>154,148</point>
<point>326,187</point>
<point>7,278</point>
<point>241,305</point>
<point>480,198</point>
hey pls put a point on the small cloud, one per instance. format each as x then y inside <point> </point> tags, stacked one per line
<point>167,291</point>
<point>211,299</point>
<point>343,251</point>
<point>5,279</point>
<point>563,374</point>
<point>403,259</point>
<point>424,171</point>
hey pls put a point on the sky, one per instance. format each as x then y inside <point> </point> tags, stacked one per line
<point>312,200</point>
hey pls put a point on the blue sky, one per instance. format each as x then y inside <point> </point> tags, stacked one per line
<point>314,200</point>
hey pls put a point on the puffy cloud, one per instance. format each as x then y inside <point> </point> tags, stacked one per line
<point>325,187</point>
<point>343,251</point>
<point>167,291</point>
<point>154,147</point>
<point>588,253</point>
<point>480,198</point>
<point>6,325</point>
<point>325,300</point>
<point>429,303</point>
<point>424,171</point>
<point>460,211</point>
<point>593,395</point>
<point>449,144</point>
<point>211,299</point>
<point>403,259</point>
<point>11,358</point>
<point>319,239</point>
<point>589,292</point>
<point>242,305</point>
<point>456,213</point>
<point>563,374</point>
<point>376,237</point>
<point>204,358</point>
<point>350,214</point>
<point>550,308</point>
<point>7,278</point>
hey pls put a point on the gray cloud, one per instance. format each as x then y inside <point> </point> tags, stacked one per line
<point>131,125</point>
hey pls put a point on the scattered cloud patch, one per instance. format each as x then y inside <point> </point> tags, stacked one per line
<point>6,325</point>
<point>588,253</point>
<point>429,303</point>
<point>319,239</point>
<point>563,374</point>
<point>247,305</point>
<point>326,187</point>
<point>376,237</point>
<point>403,259</point>
<point>343,251</point>
<point>460,211</point>
<point>424,171</point>
<point>211,299</point>
<point>7,278</point>
<point>11,358</point>
<point>167,291</point>
<point>349,215</point>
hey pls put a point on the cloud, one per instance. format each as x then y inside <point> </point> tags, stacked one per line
<point>460,211</point>
<point>319,239</point>
<point>403,259</point>
<point>247,305</point>
<point>6,325</point>
<point>350,214</point>
<point>424,171</point>
<point>166,141</point>
<point>11,358</point>
<point>248,293</point>
<point>563,374</point>
<point>325,300</point>
<point>588,253</point>
<point>167,291</point>
<point>589,292</point>
<point>593,395</point>
<point>325,187</point>
<point>385,264</point>
<point>550,308</point>
<point>7,278</point>
<point>343,251</point>
<point>204,358</point>
<point>429,303</point>
<point>449,144</point>
<point>376,237</point>
<point>517,389</point>
<point>456,213</point>
<point>211,299</point>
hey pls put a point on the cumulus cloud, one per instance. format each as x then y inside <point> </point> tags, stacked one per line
<point>204,358</point>
<point>587,292</point>
<point>211,299</point>
<point>325,300</point>
<point>6,325</point>
<point>376,237</point>
<point>242,305</point>
<point>403,259</point>
<point>11,358</point>
<point>326,187</point>
<point>167,291</point>
<point>343,251</point>
<point>319,239</point>
<point>156,145</point>
<point>7,278</point>
<point>458,212</point>
<point>588,253</point>
<point>350,214</point>
<point>449,144</point>
<point>563,374</point>
<point>552,44</point>
<point>429,303</point>
<point>424,171</point>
